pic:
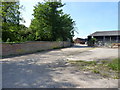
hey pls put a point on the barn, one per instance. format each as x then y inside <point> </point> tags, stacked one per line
<point>105,38</point>
<point>80,41</point>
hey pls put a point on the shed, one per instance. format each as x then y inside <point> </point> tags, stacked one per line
<point>106,36</point>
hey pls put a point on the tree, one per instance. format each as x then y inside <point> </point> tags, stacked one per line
<point>10,21</point>
<point>67,27</point>
<point>92,41</point>
<point>50,23</point>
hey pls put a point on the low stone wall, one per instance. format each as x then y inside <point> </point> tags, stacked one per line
<point>30,47</point>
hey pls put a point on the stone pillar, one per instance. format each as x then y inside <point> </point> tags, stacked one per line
<point>117,39</point>
<point>103,40</point>
<point>110,42</point>
<point>110,39</point>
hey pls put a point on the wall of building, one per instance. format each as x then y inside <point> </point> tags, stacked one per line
<point>104,41</point>
<point>30,47</point>
<point>107,41</point>
<point>108,38</point>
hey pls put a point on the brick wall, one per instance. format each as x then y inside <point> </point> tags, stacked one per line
<point>30,47</point>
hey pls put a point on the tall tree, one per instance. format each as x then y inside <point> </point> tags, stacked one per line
<point>10,20</point>
<point>50,23</point>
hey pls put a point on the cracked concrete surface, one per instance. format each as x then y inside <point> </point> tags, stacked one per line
<point>49,69</point>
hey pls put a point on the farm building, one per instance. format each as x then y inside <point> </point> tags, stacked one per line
<point>80,40</point>
<point>104,38</point>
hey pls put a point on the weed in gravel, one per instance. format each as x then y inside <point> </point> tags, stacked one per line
<point>106,68</point>
<point>96,71</point>
<point>114,64</point>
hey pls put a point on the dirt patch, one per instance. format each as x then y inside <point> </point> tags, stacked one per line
<point>105,68</point>
<point>49,69</point>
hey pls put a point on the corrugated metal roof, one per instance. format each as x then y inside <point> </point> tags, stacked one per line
<point>105,33</point>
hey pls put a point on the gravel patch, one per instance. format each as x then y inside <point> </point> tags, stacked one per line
<point>49,69</point>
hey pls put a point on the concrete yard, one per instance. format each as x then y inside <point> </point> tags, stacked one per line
<point>49,69</point>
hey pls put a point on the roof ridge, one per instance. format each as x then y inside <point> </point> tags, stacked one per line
<point>108,31</point>
<point>105,33</point>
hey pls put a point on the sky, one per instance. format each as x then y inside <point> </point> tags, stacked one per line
<point>88,16</point>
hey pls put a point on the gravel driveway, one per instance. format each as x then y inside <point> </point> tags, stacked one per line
<point>49,69</point>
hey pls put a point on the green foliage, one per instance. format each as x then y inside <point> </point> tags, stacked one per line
<point>10,21</point>
<point>10,12</point>
<point>115,64</point>
<point>106,68</point>
<point>8,40</point>
<point>96,71</point>
<point>84,63</point>
<point>92,41</point>
<point>50,23</point>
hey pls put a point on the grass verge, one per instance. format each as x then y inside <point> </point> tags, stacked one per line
<point>106,68</point>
